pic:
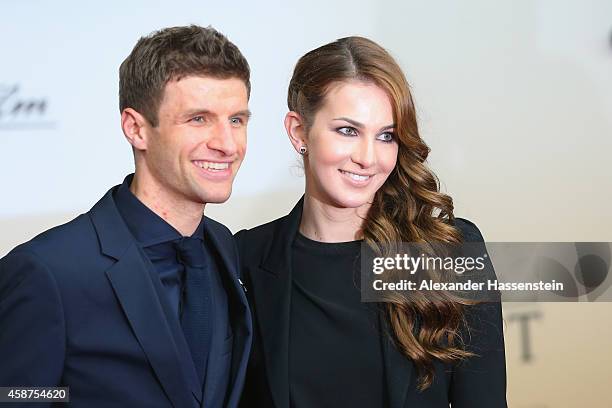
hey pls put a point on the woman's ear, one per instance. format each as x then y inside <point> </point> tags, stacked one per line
<point>294,125</point>
<point>134,127</point>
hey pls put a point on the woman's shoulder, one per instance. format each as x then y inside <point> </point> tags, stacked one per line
<point>259,231</point>
<point>257,240</point>
<point>469,230</point>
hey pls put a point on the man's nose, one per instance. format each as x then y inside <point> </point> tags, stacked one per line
<point>223,139</point>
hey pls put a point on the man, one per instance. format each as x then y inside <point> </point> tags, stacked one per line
<point>138,303</point>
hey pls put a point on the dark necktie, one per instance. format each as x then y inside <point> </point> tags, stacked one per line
<point>195,317</point>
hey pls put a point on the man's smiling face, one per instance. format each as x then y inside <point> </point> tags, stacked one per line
<point>195,151</point>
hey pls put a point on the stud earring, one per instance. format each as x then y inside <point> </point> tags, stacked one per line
<point>303,149</point>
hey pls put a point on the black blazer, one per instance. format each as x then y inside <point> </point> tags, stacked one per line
<point>79,307</point>
<point>265,254</point>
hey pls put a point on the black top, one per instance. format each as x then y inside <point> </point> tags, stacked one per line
<point>335,355</point>
<point>266,256</point>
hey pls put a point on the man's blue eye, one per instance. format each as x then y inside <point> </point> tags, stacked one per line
<point>198,119</point>
<point>236,121</point>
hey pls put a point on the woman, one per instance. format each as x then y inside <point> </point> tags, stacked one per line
<point>316,345</point>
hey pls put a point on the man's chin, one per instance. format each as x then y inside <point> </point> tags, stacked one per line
<point>216,198</point>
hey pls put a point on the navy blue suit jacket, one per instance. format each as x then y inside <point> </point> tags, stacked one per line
<point>81,307</point>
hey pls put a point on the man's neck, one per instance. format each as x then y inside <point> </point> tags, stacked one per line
<point>326,223</point>
<point>182,215</point>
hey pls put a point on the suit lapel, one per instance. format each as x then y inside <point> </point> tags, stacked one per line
<point>398,368</point>
<point>272,297</point>
<point>240,316</point>
<point>134,287</point>
<point>272,294</point>
<point>140,303</point>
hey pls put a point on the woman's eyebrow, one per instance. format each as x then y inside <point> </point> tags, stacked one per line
<point>351,121</point>
<point>361,125</point>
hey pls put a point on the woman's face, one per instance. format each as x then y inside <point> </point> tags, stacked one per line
<point>352,147</point>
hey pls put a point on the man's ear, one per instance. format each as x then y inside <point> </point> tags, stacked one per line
<point>295,127</point>
<point>135,128</point>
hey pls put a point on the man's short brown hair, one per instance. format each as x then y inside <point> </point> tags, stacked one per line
<point>171,54</point>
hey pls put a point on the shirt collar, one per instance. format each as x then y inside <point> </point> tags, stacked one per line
<point>147,227</point>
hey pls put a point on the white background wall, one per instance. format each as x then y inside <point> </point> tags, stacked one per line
<point>514,97</point>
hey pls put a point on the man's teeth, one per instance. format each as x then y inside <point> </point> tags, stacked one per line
<point>356,177</point>
<point>211,166</point>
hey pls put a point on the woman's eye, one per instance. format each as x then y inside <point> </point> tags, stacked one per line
<point>347,131</point>
<point>386,137</point>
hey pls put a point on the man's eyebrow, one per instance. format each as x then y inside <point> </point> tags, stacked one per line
<point>193,112</point>
<point>361,125</point>
<point>246,112</point>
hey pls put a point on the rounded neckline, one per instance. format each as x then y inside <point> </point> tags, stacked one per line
<point>303,242</point>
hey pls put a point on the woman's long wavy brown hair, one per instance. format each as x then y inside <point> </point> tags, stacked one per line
<point>409,206</point>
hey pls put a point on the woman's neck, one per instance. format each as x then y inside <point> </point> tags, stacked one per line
<point>324,222</point>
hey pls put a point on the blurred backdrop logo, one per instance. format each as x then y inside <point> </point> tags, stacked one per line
<point>588,280</point>
<point>20,110</point>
